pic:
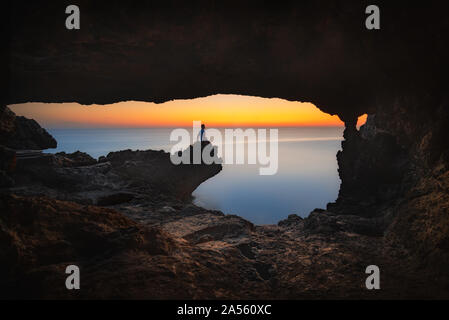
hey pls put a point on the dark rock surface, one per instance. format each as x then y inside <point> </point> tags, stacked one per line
<point>39,236</point>
<point>127,223</point>
<point>317,51</point>
<point>21,133</point>
<point>394,175</point>
<point>75,159</point>
<point>203,255</point>
<point>392,208</point>
<point>7,165</point>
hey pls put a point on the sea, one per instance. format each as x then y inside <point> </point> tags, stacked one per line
<point>306,178</point>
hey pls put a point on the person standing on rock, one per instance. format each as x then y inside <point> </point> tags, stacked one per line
<point>202,134</point>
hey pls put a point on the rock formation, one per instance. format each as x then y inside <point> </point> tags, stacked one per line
<point>309,51</point>
<point>22,133</point>
<point>396,169</point>
<point>128,223</point>
<point>392,206</point>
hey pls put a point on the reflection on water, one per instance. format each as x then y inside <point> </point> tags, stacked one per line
<point>307,176</point>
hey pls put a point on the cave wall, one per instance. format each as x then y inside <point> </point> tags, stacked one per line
<point>399,145</point>
<point>395,167</point>
<point>395,171</point>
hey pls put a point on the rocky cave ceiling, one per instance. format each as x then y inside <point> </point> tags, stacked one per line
<point>317,51</point>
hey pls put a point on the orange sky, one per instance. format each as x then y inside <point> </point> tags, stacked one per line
<point>215,111</point>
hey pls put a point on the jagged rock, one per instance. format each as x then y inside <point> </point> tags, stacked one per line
<point>7,122</point>
<point>292,220</point>
<point>329,223</point>
<point>22,133</point>
<point>123,175</point>
<point>156,169</point>
<point>102,159</point>
<point>371,171</point>
<point>228,227</point>
<point>38,234</point>
<point>303,51</point>
<point>75,159</point>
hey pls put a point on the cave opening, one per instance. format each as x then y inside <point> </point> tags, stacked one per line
<point>308,141</point>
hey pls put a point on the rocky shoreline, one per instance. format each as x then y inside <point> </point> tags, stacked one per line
<point>128,221</point>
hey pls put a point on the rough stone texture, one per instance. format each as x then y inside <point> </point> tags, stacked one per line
<point>396,170</point>
<point>21,133</point>
<point>155,167</point>
<point>75,159</point>
<point>152,242</point>
<point>123,176</point>
<point>38,235</point>
<point>392,206</point>
<point>317,51</point>
<point>200,255</point>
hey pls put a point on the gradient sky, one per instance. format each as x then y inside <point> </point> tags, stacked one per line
<point>215,111</point>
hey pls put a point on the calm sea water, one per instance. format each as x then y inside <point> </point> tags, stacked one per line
<point>307,176</point>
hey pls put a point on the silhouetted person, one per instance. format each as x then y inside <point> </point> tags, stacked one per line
<point>202,134</point>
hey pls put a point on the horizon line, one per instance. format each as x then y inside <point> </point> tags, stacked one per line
<point>210,127</point>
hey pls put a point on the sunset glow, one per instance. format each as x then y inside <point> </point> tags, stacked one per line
<point>216,111</point>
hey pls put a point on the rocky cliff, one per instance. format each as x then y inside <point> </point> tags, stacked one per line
<point>21,133</point>
<point>396,171</point>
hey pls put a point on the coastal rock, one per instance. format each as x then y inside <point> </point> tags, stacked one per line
<point>395,171</point>
<point>119,178</point>
<point>122,258</point>
<point>40,237</point>
<point>75,159</point>
<point>227,227</point>
<point>292,220</point>
<point>20,133</point>
<point>154,168</point>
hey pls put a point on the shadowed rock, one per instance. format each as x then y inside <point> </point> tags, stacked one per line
<point>75,159</point>
<point>21,133</point>
<point>40,237</point>
<point>392,206</point>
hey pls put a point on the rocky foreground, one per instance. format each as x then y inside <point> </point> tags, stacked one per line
<point>152,250</point>
<point>127,220</point>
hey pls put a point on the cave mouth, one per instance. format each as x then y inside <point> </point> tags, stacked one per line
<point>307,175</point>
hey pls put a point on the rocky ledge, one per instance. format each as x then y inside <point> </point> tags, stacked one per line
<point>180,251</point>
